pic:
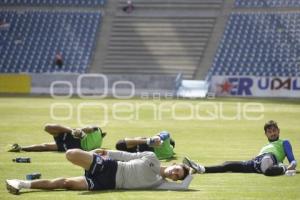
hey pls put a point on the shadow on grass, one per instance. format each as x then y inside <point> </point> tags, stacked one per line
<point>132,191</point>
<point>45,191</point>
<point>101,191</point>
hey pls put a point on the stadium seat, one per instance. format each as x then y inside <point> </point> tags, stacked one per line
<point>267,3</point>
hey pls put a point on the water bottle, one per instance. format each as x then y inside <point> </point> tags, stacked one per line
<point>33,176</point>
<point>22,160</point>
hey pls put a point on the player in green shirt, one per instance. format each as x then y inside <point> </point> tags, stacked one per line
<point>161,144</point>
<point>65,138</point>
<point>269,160</point>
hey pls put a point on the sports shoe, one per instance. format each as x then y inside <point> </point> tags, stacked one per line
<point>164,135</point>
<point>196,167</point>
<point>15,148</point>
<point>13,186</point>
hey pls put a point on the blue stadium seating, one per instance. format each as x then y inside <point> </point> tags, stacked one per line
<point>259,44</point>
<point>54,2</point>
<point>267,3</point>
<point>33,38</point>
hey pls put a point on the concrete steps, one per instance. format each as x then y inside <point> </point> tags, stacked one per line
<point>174,4</point>
<point>158,42</point>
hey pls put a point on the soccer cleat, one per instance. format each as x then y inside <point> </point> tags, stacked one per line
<point>13,186</point>
<point>15,148</point>
<point>196,167</point>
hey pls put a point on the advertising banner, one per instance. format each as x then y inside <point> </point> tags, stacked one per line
<point>253,86</point>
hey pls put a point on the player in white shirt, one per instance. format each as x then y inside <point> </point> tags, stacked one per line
<point>108,169</point>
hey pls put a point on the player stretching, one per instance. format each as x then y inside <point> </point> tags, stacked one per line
<point>65,138</point>
<point>161,144</point>
<point>269,160</point>
<point>106,169</point>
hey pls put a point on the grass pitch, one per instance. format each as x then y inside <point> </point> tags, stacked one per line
<point>209,131</point>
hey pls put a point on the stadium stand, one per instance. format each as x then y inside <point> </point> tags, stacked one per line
<point>259,44</point>
<point>32,39</point>
<point>169,39</point>
<point>53,2</point>
<point>267,3</point>
<point>174,4</point>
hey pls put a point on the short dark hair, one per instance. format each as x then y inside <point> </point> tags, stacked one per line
<point>186,171</point>
<point>172,142</point>
<point>270,124</point>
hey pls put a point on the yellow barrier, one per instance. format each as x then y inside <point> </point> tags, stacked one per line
<point>15,83</point>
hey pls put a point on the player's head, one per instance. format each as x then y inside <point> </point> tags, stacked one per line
<point>176,172</point>
<point>271,130</point>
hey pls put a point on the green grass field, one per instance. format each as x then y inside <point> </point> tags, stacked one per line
<point>209,131</point>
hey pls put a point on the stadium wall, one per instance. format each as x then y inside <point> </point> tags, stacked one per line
<point>102,84</point>
<point>255,86</point>
<point>15,83</point>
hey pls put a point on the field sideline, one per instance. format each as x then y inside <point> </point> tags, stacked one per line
<point>209,131</point>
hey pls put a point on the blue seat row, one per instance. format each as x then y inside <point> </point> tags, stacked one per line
<point>265,44</point>
<point>30,41</point>
<point>267,3</point>
<point>54,2</point>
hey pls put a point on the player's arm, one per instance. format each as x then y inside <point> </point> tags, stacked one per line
<point>184,185</point>
<point>289,154</point>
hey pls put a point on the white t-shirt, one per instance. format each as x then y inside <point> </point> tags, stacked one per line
<point>142,171</point>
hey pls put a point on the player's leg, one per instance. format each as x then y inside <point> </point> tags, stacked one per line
<point>124,145</point>
<point>275,171</point>
<point>231,166</point>
<point>79,157</point>
<point>55,129</point>
<point>73,183</point>
<point>35,147</point>
<point>40,147</point>
<point>269,166</point>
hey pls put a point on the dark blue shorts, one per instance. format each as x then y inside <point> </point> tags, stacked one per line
<point>121,146</point>
<point>102,173</point>
<point>66,141</point>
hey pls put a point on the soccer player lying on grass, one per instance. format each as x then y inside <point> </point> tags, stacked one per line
<point>65,138</point>
<point>161,144</point>
<point>268,162</point>
<point>108,169</point>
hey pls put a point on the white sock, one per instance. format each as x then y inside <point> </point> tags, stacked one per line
<point>25,184</point>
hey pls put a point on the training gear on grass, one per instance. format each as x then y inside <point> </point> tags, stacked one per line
<point>22,160</point>
<point>33,176</point>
